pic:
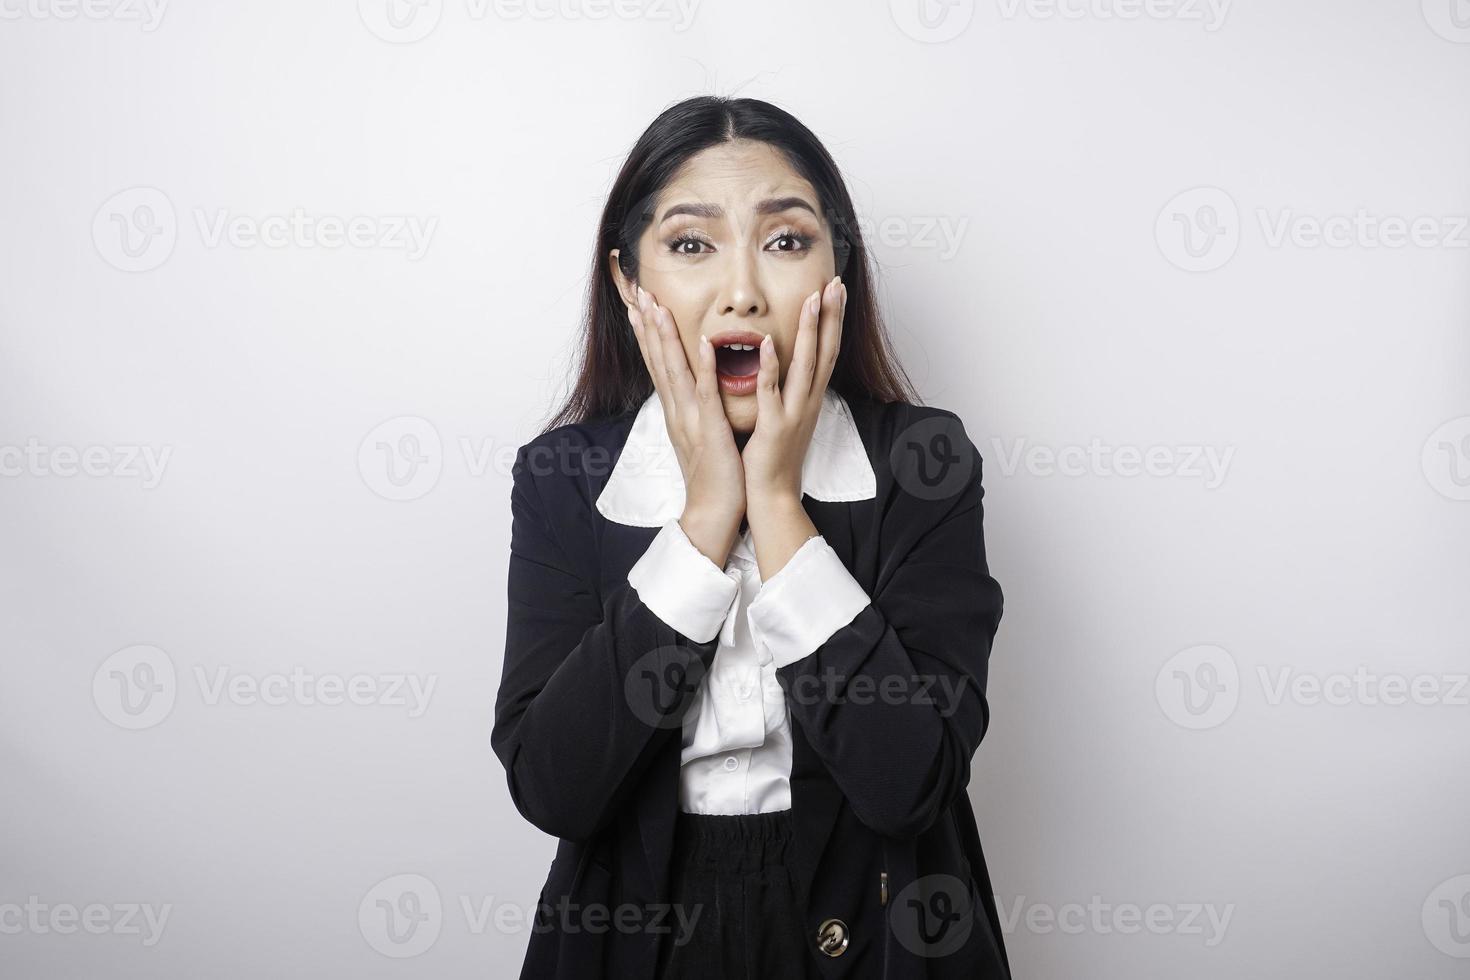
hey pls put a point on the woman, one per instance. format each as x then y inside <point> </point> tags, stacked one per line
<point>750,613</point>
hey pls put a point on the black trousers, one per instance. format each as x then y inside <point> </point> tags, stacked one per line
<point>731,871</point>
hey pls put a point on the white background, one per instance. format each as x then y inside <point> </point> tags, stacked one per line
<point>1021,167</point>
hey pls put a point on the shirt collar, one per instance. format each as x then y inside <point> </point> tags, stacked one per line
<point>646,487</point>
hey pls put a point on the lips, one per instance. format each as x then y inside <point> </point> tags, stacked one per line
<point>737,360</point>
<point>737,352</point>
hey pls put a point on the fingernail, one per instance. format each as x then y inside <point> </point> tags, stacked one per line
<point>766,342</point>
<point>813,304</point>
<point>703,341</point>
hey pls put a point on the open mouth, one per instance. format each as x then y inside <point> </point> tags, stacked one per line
<point>738,360</point>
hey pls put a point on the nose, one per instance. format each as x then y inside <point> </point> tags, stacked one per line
<point>741,293</point>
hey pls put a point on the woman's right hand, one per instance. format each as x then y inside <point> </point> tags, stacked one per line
<point>714,475</point>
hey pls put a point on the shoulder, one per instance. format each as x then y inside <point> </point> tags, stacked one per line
<point>555,480</point>
<point>925,458</point>
<point>575,450</point>
<point>885,426</point>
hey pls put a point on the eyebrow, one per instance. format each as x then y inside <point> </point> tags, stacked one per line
<point>771,205</point>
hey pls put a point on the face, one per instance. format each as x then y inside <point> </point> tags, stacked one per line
<point>736,244</point>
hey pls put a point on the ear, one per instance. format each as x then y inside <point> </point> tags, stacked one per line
<point>625,286</point>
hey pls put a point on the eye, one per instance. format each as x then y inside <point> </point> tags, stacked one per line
<point>797,241</point>
<point>687,238</point>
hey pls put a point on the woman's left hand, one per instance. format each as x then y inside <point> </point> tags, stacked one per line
<point>786,417</point>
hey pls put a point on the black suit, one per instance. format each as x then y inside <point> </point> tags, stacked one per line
<point>886,715</point>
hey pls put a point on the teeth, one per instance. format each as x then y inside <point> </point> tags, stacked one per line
<point>739,346</point>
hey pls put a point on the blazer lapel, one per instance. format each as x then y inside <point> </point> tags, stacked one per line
<point>815,797</point>
<point>657,804</point>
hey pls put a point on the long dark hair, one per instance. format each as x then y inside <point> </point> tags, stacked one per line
<point>612,378</point>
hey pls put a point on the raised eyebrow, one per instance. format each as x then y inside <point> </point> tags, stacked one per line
<point>771,205</point>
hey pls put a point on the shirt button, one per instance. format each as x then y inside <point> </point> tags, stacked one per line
<point>731,763</point>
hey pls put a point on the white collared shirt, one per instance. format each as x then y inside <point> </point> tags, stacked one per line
<point>736,755</point>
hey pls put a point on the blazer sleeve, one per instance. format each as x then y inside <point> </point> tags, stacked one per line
<point>894,701</point>
<point>592,683</point>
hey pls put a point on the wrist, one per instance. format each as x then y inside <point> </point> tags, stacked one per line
<point>713,534</point>
<point>765,508</point>
<point>780,525</point>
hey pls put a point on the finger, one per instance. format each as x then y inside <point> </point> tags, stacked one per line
<point>768,411</point>
<point>833,315</point>
<point>676,362</point>
<point>707,388</point>
<point>800,371</point>
<point>635,319</point>
<point>655,354</point>
<point>712,419</point>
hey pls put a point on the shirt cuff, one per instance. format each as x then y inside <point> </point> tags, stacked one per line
<point>801,606</point>
<point>681,586</point>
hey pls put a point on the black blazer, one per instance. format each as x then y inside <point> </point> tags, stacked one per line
<point>887,715</point>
